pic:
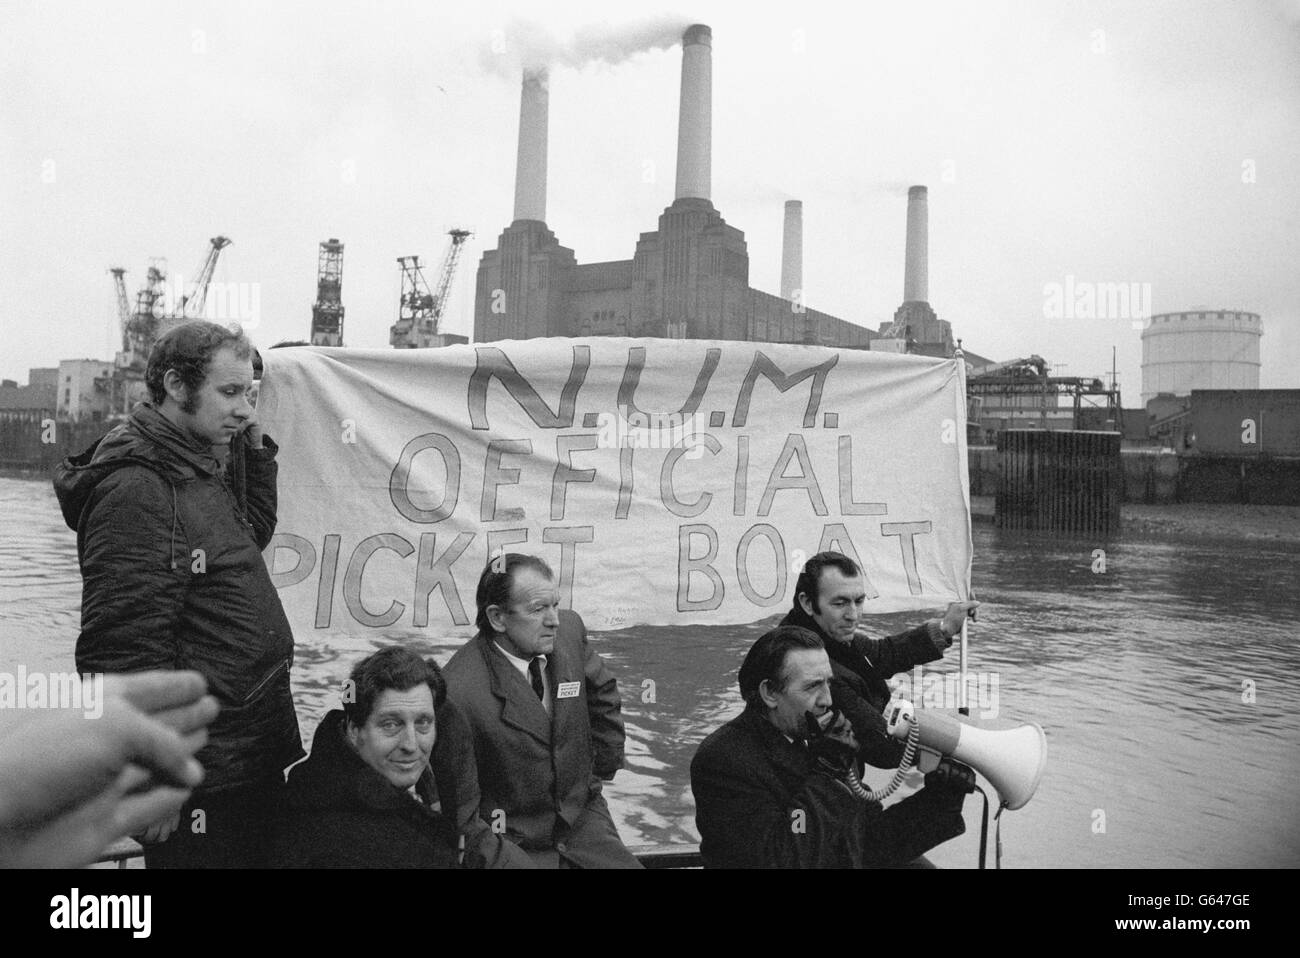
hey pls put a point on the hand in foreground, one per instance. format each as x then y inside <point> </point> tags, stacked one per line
<point>159,831</point>
<point>72,784</point>
<point>956,614</point>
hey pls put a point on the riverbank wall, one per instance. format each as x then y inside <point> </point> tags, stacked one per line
<point>33,447</point>
<point>1158,477</point>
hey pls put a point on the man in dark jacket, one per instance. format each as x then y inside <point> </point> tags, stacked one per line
<point>369,796</point>
<point>828,602</point>
<point>546,719</point>
<point>173,578</point>
<point>771,793</point>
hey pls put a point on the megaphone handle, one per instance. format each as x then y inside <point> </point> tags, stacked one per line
<point>962,707</point>
<point>997,835</point>
<point>984,828</point>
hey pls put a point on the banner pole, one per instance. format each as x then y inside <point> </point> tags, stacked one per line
<point>963,708</point>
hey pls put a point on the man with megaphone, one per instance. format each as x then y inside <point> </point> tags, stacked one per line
<point>829,597</point>
<point>774,787</point>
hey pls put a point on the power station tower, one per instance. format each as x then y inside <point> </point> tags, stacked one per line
<point>419,310</point>
<point>327,314</point>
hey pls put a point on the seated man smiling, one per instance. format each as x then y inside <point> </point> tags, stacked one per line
<point>375,791</point>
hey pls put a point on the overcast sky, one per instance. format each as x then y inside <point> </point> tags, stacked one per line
<point>1154,142</point>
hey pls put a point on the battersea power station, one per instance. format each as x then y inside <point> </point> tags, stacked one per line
<point>688,279</point>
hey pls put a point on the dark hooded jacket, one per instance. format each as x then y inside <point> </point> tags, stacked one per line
<point>173,578</point>
<point>858,687</point>
<point>338,812</point>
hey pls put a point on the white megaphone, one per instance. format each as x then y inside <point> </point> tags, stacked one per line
<point>1013,760</point>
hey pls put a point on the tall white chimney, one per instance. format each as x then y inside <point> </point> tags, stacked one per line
<point>695,114</point>
<point>916,269</point>
<point>530,166</point>
<point>792,252</point>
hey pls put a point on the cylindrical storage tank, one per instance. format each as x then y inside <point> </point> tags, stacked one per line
<point>1200,349</point>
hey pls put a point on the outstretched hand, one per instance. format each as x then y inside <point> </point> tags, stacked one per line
<point>73,781</point>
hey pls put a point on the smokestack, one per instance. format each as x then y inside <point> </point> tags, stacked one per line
<point>792,252</point>
<point>916,269</point>
<point>695,114</point>
<point>530,167</point>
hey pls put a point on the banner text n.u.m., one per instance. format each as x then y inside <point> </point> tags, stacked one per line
<point>665,481</point>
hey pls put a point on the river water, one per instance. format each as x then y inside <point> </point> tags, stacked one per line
<point>1168,686</point>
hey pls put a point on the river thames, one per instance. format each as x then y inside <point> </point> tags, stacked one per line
<point>1168,686</point>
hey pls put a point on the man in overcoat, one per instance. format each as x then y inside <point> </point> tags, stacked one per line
<point>545,716</point>
<point>771,790</point>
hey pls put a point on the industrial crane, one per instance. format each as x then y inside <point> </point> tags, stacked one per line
<point>114,382</point>
<point>415,306</point>
<point>142,327</point>
<point>327,314</point>
<point>191,304</point>
<point>419,310</point>
<point>123,302</point>
<point>151,317</point>
<point>458,238</point>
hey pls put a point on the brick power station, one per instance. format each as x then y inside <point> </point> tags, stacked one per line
<point>688,279</point>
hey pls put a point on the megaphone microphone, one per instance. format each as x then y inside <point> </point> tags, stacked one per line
<point>1013,760</point>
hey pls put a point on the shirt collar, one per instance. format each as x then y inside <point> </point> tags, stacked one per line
<point>521,665</point>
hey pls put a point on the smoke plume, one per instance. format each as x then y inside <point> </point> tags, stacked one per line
<point>529,45</point>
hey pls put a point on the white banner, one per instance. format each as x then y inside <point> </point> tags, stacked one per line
<point>666,482</point>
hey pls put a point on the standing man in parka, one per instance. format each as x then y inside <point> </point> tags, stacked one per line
<point>173,578</point>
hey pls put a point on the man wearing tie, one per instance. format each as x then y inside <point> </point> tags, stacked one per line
<point>545,714</point>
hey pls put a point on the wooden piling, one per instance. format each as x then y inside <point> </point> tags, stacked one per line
<point>1064,481</point>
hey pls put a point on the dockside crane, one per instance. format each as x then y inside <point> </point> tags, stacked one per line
<point>327,314</point>
<point>449,262</point>
<point>419,310</point>
<point>123,301</point>
<point>414,306</point>
<point>123,311</point>
<point>154,313</point>
<point>142,327</point>
<point>114,383</point>
<point>191,304</point>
